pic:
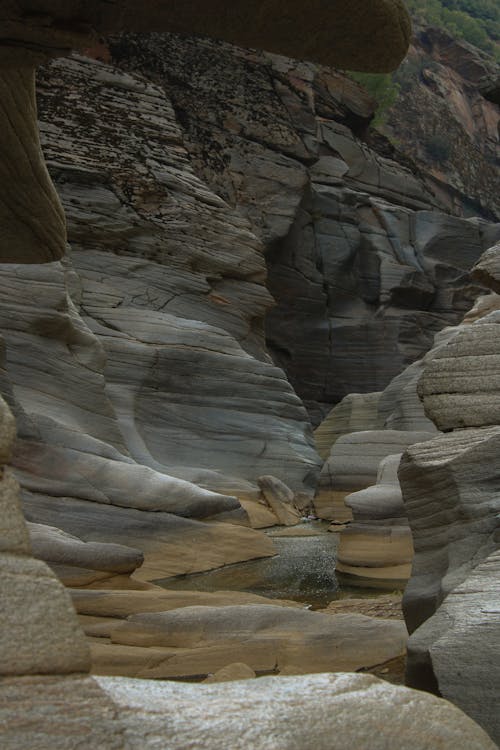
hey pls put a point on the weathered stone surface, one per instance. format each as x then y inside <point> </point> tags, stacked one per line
<point>457,650</point>
<point>377,548</point>
<point>341,711</point>
<point>280,499</point>
<point>455,145</point>
<point>64,552</point>
<point>356,412</point>
<point>120,604</point>
<point>487,269</point>
<point>459,386</point>
<point>31,216</point>
<point>353,465</point>
<point>236,671</point>
<point>13,533</point>
<point>354,35</point>
<point>292,640</point>
<point>270,135</point>
<point>450,491</point>
<point>171,545</point>
<point>39,630</point>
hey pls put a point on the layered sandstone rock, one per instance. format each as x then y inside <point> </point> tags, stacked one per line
<point>355,248</point>
<point>377,547</point>
<point>353,465</point>
<point>450,491</point>
<point>462,641</point>
<point>199,640</point>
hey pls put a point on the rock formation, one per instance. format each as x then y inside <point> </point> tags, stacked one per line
<point>41,635</point>
<point>450,492</point>
<point>362,264</point>
<point>456,145</point>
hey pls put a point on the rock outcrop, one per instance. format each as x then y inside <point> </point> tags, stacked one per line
<point>450,491</point>
<point>456,145</point>
<point>363,265</point>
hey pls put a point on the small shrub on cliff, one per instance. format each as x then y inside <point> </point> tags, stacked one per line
<point>381,87</point>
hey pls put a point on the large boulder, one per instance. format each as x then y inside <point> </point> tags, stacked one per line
<point>339,711</point>
<point>352,35</point>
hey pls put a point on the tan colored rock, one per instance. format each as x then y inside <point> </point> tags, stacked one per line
<point>487,270</point>
<point>13,532</point>
<point>353,465</point>
<point>115,603</point>
<point>355,413</point>
<point>294,641</point>
<point>280,499</point>
<point>235,671</point>
<point>39,630</point>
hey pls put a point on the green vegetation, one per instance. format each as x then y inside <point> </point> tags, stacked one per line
<point>381,87</point>
<point>476,21</point>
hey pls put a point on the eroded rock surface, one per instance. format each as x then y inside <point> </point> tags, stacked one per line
<point>363,265</point>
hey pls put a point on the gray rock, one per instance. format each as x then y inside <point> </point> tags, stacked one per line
<point>270,713</point>
<point>450,491</point>
<point>39,630</point>
<point>457,650</point>
<point>353,465</point>
<point>459,386</point>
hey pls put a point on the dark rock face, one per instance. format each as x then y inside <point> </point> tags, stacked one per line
<point>356,34</point>
<point>362,264</point>
<point>456,144</point>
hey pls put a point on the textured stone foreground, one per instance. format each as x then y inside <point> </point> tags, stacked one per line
<point>319,712</point>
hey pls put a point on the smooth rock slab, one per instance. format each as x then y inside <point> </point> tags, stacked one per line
<point>171,545</point>
<point>457,650</point>
<point>317,712</point>
<point>295,641</point>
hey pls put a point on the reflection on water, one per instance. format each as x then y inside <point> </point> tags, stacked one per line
<point>303,569</point>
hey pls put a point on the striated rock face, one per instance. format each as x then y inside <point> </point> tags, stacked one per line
<point>455,528</point>
<point>137,368</point>
<point>450,491</point>
<point>353,465</point>
<point>362,265</point>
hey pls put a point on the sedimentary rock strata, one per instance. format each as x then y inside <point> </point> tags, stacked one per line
<point>353,465</point>
<point>451,499</point>
<point>362,265</point>
<point>377,547</point>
